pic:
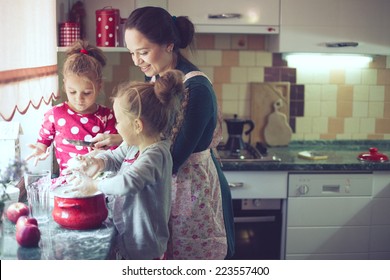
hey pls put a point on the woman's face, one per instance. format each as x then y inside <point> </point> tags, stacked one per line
<point>152,58</point>
<point>81,94</point>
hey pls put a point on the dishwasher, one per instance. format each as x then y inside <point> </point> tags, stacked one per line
<point>328,216</point>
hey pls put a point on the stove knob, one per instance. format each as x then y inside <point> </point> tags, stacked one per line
<point>256,202</point>
<point>303,189</point>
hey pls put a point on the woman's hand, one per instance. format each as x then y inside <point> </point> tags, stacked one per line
<point>105,141</point>
<point>41,152</point>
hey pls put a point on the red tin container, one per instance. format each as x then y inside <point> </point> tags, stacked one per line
<point>108,27</point>
<point>69,32</point>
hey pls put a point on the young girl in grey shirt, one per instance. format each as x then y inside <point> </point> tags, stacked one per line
<point>142,184</point>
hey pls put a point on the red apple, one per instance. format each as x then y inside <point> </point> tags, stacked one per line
<point>28,236</point>
<point>15,210</point>
<point>23,220</point>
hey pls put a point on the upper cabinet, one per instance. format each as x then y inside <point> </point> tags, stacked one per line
<point>342,26</point>
<point>221,16</point>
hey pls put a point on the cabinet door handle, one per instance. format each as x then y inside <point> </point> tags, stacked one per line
<point>259,219</point>
<point>236,185</point>
<point>223,16</point>
<point>341,44</point>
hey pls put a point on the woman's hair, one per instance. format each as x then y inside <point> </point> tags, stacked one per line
<point>157,103</point>
<point>159,27</point>
<point>85,60</point>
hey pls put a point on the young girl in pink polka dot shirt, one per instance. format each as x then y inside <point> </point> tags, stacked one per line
<point>79,118</point>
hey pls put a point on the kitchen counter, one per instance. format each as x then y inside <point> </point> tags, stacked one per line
<point>342,156</point>
<point>58,243</point>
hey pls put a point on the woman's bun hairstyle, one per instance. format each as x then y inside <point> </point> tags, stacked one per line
<point>186,31</point>
<point>169,84</point>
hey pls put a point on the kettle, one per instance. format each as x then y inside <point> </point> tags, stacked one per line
<point>235,129</point>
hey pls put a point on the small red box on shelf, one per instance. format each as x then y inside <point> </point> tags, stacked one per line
<point>69,32</point>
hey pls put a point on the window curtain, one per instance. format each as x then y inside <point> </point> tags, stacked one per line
<point>28,55</point>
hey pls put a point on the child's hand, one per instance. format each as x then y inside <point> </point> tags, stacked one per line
<point>105,141</point>
<point>87,165</point>
<point>39,153</point>
<point>82,184</point>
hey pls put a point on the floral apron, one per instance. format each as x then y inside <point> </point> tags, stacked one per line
<point>196,225</point>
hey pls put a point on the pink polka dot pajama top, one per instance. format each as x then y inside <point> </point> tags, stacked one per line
<point>61,123</point>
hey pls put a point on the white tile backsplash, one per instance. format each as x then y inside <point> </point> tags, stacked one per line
<point>320,125</point>
<point>255,74</point>
<point>263,59</point>
<point>367,125</point>
<point>247,58</point>
<point>360,109</point>
<point>360,92</point>
<point>229,107</point>
<point>214,58</point>
<point>328,108</point>
<point>377,93</point>
<point>239,75</point>
<point>375,109</point>
<point>230,92</point>
<point>304,125</point>
<point>353,76</point>
<point>329,93</point>
<point>312,109</point>
<point>312,92</point>
<point>369,76</point>
<point>351,125</point>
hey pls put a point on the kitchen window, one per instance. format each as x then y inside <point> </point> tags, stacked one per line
<point>28,55</point>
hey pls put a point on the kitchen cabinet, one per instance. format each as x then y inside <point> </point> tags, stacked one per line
<point>220,16</point>
<point>255,184</point>
<point>380,218</point>
<point>309,25</point>
<point>247,16</point>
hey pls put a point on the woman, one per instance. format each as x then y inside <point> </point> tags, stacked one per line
<point>201,222</point>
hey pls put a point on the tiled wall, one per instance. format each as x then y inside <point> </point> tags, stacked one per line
<point>332,104</point>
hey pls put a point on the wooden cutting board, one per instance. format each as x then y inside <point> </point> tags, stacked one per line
<point>263,96</point>
<point>277,131</point>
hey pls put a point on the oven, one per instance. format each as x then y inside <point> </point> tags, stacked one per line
<point>259,204</point>
<point>258,229</point>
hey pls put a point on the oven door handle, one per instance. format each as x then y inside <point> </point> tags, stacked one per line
<point>258,219</point>
<point>236,185</point>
